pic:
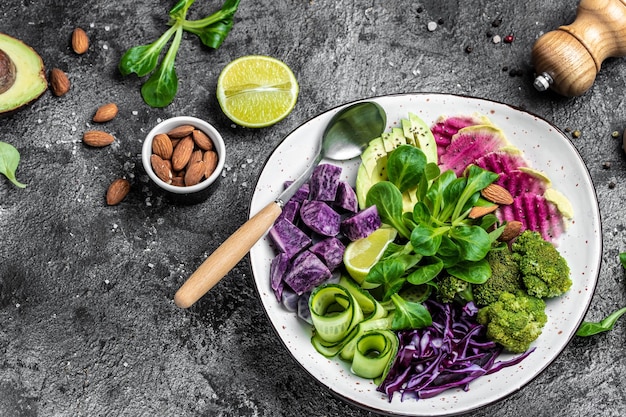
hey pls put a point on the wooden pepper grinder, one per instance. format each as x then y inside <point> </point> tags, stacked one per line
<point>568,59</point>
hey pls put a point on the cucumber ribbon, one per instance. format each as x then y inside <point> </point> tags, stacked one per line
<point>350,323</point>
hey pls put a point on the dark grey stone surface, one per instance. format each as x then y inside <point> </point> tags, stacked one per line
<point>87,322</point>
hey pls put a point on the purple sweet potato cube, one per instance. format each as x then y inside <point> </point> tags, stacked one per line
<point>288,238</point>
<point>361,224</point>
<point>346,198</point>
<point>306,272</point>
<point>330,251</point>
<point>290,211</point>
<point>320,217</point>
<point>278,267</point>
<point>324,182</point>
<point>302,193</point>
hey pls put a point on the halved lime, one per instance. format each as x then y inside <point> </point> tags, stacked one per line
<point>361,255</point>
<point>257,91</point>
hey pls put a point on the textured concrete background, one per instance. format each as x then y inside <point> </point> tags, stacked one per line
<point>87,325</point>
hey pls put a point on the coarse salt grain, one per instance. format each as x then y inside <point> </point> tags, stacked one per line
<point>496,39</point>
<point>432,26</point>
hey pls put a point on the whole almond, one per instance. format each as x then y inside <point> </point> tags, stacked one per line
<point>195,173</point>
<point>195,157</point>
<point>210,161</point>
<point>497,194</point>
<point>182,153</point>
<point>59,83</point>
<point>480,211</point>
<point>180,131</point>
<point>162,146</point>
<point>202,140</point>
<point>97,138</point>
<point>117,191</point>
<point>161,168</point>
<point>80,41</point>
<point>512,229</point>
<point>105,113</point>
<point>178,181</point>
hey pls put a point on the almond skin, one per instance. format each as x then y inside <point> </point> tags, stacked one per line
<point>480,211</point>
<point>180,131</point>
<point>195,173</point>
<point>202,140</point>
<point>80,41</point>
<point>161,168</point>
<point>497,194</point>
<point>210,161</point>
<point>105,113</point>
<point>59,83</point>
<point>97,138</point>
<point>117,191</point>
<point>182,153</point>
<point>512,230</point>
<point>162,146</point>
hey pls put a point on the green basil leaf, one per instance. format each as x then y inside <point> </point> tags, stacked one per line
<point>409,315</point>
<point>426,271</point>
<point>9,161</point>
<point>425,239</point>
<point>388,201</point>
<point>405,167</point>
<point>473,242</point>
<point>592,328</point>
<point>473,272</point>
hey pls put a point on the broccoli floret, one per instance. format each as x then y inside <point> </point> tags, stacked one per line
<point>450,288</point>
<point>505,277</point>
<point>543,270</point>
<point>514,321</point>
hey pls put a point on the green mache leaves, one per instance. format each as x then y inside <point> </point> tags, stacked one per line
<point>161,87</point>
<point>9,161</point>
<point>438,234</point>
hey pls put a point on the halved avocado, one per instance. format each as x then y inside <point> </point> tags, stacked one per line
<point>22,74</point>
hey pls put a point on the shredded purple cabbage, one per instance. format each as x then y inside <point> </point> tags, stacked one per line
<point>450,353</point>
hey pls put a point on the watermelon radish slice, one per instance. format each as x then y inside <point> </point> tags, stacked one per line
<point>501,161</point>
<point>519,182</point>
<point>469,144</point>
<point>535,213</point>
<point>446,127</point>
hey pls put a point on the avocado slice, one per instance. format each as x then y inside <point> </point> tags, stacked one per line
<point>22,74</point>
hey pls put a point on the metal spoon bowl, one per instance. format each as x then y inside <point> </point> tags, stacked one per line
<point>345,137</point>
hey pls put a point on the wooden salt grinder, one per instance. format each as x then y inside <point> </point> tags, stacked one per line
<point>568,59</point>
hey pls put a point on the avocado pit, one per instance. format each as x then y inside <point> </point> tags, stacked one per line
<point>7,72</point>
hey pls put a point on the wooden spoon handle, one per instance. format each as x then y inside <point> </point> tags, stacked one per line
<point>226,256</point>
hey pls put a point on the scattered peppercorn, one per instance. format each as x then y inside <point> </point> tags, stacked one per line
<point>576,133</point>
<point>496,22</point>
<point>420,9</point>
<point>611,185</point>
<point>568,129</point>
<point>509,38</point>
<point>489,34</point>
<point>505,69</point>
<point>606,165</point>
<point>469,49</point>
<point>440,21</point>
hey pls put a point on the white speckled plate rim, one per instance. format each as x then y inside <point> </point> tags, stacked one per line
<point>547,149</point>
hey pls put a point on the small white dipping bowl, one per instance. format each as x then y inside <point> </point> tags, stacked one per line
<point>187,194</point>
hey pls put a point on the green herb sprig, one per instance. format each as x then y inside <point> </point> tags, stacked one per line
<point>589,328</point>
<point>9,160</point>
<point>162,85</point>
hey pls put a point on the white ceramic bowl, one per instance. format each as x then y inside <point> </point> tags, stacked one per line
<point>194,193</point>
